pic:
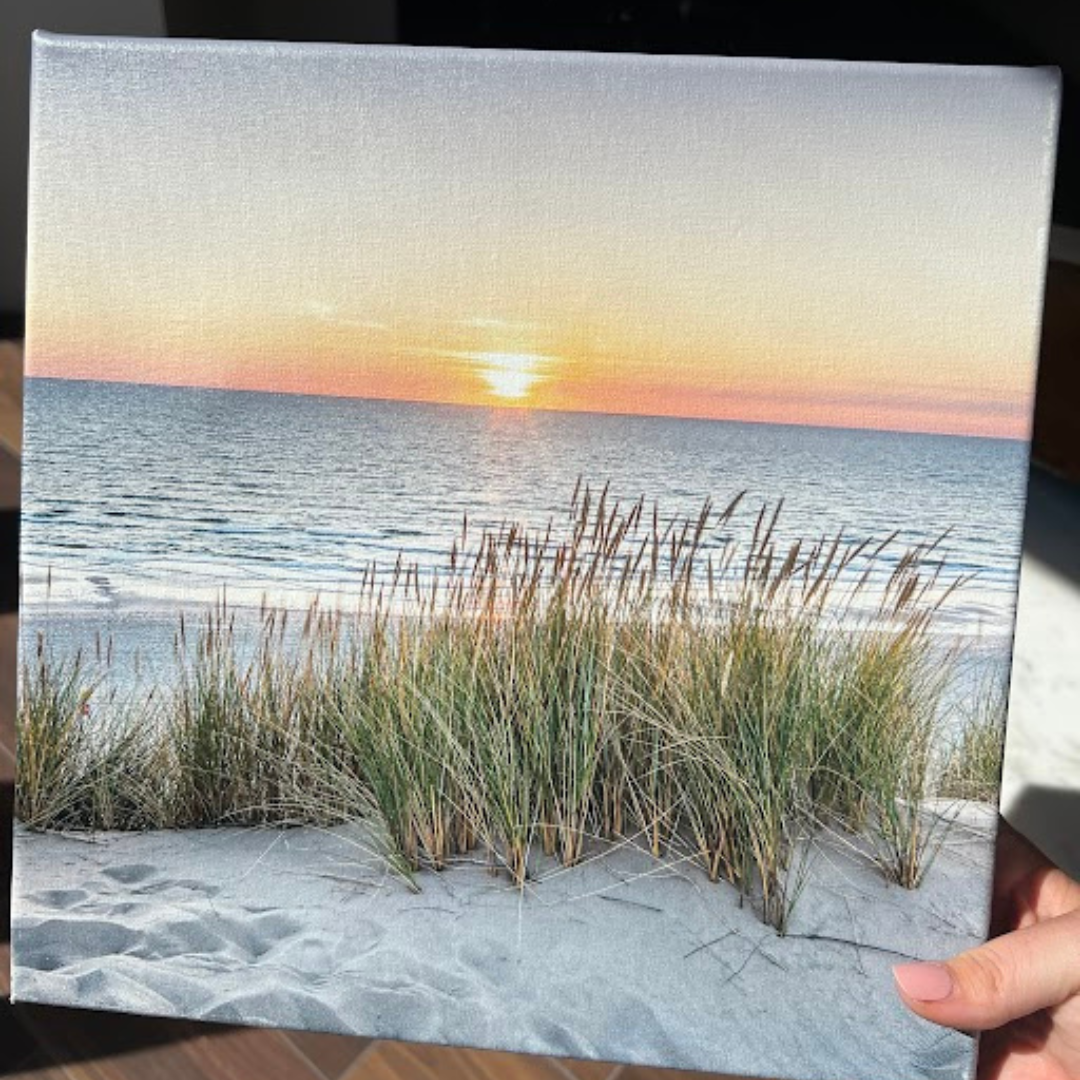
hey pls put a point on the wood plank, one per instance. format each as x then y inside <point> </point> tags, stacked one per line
<point>10,481</point>
<point>39,1066</point>
<point>590,1070</point>
<point>109,1046</point>
<point>17,1044</point>
<point>11,379</point>
<point>412,1061</point>
<point>147,1063</point>
<point>332,1055</point>
<point>7,798</point>
<point>240,1054</point>
<point>116,1046</point>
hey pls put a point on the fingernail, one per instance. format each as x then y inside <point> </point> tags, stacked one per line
<point>924,982</point>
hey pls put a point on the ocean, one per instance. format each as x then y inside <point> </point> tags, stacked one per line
<point>140,501</point>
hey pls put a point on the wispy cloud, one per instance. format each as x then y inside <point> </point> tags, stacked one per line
<point>331,314</point>
<point>486,323</point>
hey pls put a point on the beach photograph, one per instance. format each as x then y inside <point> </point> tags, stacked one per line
<point>520,550</point>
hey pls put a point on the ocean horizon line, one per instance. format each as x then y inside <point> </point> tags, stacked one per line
<point>510,409</point>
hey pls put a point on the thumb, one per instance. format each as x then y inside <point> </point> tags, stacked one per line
<point>1007,978</point>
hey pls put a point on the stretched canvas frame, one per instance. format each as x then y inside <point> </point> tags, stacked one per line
<point>520,550</point>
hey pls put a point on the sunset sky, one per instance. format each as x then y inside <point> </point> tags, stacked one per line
<point>803,243</point>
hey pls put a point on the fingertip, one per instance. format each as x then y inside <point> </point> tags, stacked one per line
<point>925,983</point>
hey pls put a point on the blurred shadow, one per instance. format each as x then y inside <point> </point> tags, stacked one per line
<point>1050,819</point>
<point>67,1036</point>
<point>1052,523</point>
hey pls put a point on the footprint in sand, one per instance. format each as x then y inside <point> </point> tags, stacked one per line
<point>249,937</point>
<point>181,937</point>
<point>186,886</point>
<point>59,899</point>
<point>130,873</point>
<point>57,943</point>
<point>278,1008</point>
<point>313,958</point>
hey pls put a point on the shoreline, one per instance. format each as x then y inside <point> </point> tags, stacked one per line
<point>49,595</point>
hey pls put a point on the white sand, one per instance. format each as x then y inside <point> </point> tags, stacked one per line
<point>617,959</point>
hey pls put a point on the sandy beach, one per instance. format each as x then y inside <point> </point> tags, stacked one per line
<point>619,958</point>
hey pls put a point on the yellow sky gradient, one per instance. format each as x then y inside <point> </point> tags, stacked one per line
<point>666,237</point>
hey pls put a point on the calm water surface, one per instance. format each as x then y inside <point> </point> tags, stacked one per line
<point>140,500</point>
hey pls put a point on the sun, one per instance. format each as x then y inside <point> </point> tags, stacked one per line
<point>510,376</point>
<point>507,377</point>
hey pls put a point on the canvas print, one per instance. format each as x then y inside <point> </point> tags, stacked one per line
<point>520,550</point>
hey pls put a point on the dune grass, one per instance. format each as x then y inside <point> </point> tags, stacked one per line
<point>615,676</point>
<point>972,766</point>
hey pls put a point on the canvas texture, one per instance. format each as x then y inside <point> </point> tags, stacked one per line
<point>520,549</point>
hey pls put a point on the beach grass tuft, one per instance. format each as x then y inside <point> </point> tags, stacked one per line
<point>972,766</point>
<point>695,688</point>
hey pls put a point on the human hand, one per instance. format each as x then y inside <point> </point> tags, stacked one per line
<point>1023,986</point>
